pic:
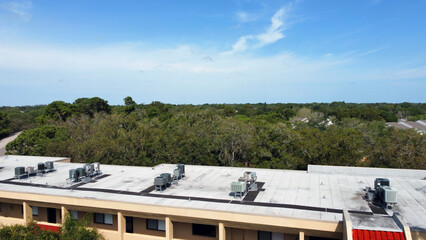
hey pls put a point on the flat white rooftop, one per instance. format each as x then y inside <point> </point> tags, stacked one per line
<point>319,193</point>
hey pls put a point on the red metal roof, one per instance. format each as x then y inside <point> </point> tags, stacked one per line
<point>359,234</point>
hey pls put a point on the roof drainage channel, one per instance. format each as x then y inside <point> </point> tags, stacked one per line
<point>147,194</point>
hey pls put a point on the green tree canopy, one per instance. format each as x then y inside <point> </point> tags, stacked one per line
<point>46,139</point>
<point>58,110</point>
<point>4,125</point>
<point>90,106</point>
<point>129,105</point>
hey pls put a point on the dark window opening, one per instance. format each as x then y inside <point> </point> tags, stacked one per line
<point>154,224</point>
<point>204,230</point>
<point>51,215</point>
<point>261,235</point>
<point>129,224</point>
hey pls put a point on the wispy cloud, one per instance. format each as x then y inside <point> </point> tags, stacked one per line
<point>275,31</point>
<point>20,8</point>
<point>241,44</point>
<point>167,63</point>
<point>244,17</point>
<point>369,52</point>
<point>272,33</point>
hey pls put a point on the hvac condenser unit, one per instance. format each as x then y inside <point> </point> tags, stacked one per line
<point>49,165</point>
<point>389,195</point>
<point>167,176</point>
<point>238,188</point>
<point>19,171</point>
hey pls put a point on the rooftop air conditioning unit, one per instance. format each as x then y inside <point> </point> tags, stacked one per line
<point>49,165</point>
<point>238,188</point>
<point>73,173</point>
<point>181,166</point>
<point>160,183</point>
<point>177,174</point>
<point>168,177</point>
<point>19,171</point>
<point>97,167</point>
<point>81,172</point>
<point>40,166</point>
<point>381,182</point>
<point>30,170</point>
<point>389,195</point>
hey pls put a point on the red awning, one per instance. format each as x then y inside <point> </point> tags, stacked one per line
<point>359,234</point>
<point>49,227</point>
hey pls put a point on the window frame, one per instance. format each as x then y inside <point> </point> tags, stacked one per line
<point>34,210</point>
<point>156,224</point>
<point>95,220</point>
<point>73,214</point>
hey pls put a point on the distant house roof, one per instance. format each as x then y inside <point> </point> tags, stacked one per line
<point>299,119</point>
<point>419,125</point>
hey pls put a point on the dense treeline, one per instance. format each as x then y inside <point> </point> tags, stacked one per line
<point>15,119</point>
<point>259,135</point>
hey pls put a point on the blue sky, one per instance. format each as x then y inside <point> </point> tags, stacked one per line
<point>233,51</point>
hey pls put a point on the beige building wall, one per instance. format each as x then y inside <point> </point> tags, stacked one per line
<point>240,234</point>
<point>11,210</point>
<point>237,226</point>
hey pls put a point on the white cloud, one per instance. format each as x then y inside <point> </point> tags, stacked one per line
<point>241,44</point>
<point>20,8</point>
<point>275,31</point>
<point>272,34</point>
